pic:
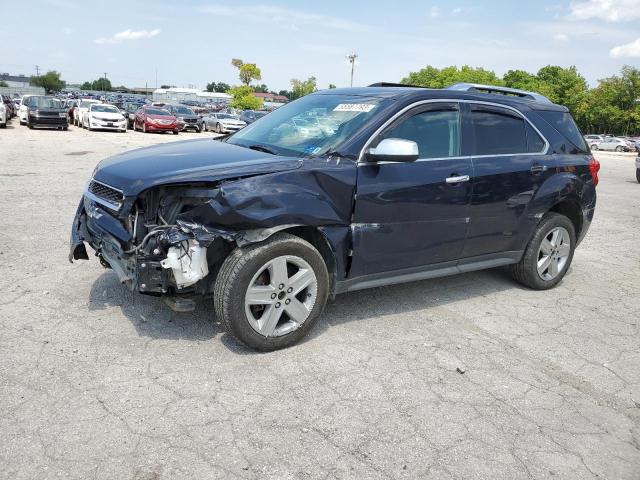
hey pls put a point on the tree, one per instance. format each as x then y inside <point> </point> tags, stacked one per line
<point>218,87</point>
<point>285,93</point>
<point>236,62</point>
<point>102,84</point>
<point>249,72</point>
<point>3,83</point>
<point>262,88</point>
<point>300,88</point>
<point>244,99</point>
<point>50,81</point>
<point>331,85</point>
<point>435,78</point>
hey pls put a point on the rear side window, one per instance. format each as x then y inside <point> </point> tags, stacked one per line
<point>564,124</point>
<point>497,132</point>
<point>437,133</point>
<point>535,143</point>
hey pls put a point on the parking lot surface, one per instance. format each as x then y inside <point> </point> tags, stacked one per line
<point>464,377</point>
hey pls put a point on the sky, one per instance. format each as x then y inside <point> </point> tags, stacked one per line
<point>191,43</point>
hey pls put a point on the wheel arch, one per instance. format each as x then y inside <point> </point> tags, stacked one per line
<point>570,208</point>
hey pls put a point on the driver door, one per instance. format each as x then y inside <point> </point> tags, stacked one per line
<point>410,215</point>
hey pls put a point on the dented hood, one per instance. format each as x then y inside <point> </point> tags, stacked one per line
<point>189,161</point>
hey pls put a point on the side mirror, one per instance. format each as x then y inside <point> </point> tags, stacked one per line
<point>394,150</point>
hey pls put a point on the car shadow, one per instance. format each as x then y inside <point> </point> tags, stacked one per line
<point>153,318</point>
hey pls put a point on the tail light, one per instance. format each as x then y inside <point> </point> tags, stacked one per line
<point>594,168</point>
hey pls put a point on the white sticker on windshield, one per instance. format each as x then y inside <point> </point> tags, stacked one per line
<point>354,107</point>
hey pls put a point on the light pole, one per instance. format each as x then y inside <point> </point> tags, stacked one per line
<point>352,59</point>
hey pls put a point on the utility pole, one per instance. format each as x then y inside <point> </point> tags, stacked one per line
<point>352,59</point>
<point>37,70</point>
<point>104,84</point>
<point>156,78</point>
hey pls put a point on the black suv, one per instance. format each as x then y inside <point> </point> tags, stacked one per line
<point>343,190</point>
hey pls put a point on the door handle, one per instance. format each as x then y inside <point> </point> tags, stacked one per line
<point>458,179</point>
<point>537,168</point>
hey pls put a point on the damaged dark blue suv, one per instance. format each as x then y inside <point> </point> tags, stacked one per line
<point>343,190</point>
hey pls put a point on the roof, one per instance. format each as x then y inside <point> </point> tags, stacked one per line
<point>192,91</point>
<point>270,95</point>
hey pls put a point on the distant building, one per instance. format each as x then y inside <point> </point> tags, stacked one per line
<point>271,97</point>
<point>19,85</point>
<point>15,80</point>
<point>171,95</point>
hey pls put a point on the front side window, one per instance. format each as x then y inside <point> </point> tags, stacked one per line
<point>497,132</point>
<point>437,132</point>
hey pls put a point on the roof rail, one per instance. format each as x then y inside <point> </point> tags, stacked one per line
<point>476,87</point>
<point>390,84</point>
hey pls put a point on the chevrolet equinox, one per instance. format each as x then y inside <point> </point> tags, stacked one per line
<point>343,190</point>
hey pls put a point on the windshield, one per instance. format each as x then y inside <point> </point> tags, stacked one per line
<point>311,126</point>
<point>104,108</point>
<point>184,111</point>
<point>45,102</point>
<point>226,115</point>
<point>157,111</point>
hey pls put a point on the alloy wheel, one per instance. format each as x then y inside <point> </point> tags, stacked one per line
<point>553,253</point>
<point>280,296</point>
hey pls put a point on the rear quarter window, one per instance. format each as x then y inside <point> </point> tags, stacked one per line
<point>564,124</point>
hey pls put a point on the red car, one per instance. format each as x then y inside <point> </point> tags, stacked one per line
<point>155,119</point>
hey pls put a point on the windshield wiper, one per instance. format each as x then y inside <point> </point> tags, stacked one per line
<point>262,148</point>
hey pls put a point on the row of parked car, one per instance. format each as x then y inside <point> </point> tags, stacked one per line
<point>93,114</point>
<point>613,144</point>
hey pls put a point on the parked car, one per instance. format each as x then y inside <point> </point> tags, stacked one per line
<point>223,123</point>
<point>187,119</point>
<point>273,224</point>
<point>129,110</point>
<point>24,108</point>
<point>634,143</point>
<point>9,106</point>
<point>155,119</point>
<point>101,116</point>
<point>3,116</point>
<point>250,116</point>
<point>593,140</point>
<point>613,144</point>
<point>80,111</point>
<point>46,111</point>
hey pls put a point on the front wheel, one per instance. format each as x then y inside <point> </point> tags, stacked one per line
<point>594,147</point>
<point>548,254</point>
<point>618,149</point>
<point>270,294</point>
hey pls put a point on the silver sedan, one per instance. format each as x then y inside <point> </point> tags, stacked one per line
<point>223,123</point>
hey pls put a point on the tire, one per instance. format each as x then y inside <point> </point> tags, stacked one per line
<point>638,174</point>
<point>175,132</point>
<point>204,127</point>
<point>526,271</point>
<point>3,125</point>
<point>618,148</point>
<point>242,267</point>
<point>594,147</point>
<point>218,128</point>
<point>144,127</point>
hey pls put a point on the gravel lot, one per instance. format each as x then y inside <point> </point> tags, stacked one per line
<point>97,382</point>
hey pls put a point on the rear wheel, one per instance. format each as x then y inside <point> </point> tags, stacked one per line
<point>548,254</point>
<point>594,147</point>
<point>270,294</point>
<point>618,148</point>
<point>218,128</point>
<point>638,174</point>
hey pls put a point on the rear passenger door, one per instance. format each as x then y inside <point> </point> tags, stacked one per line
<point>509,164</point>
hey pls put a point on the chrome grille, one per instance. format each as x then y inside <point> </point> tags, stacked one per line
<point>106,193</point>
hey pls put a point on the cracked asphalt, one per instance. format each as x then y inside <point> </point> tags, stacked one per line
<point>100,383</point>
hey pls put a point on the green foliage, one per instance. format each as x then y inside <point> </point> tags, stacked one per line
<point>331,85</point>
<point>50,81</point>
<point>300,88</point>
<point>218,87</point>
<point>285,93</point>
<point>262,88</point>
<point>435,78</point>
<point>102,84</point>
<point>244,99</point>
<point>3,83</point>
<point>249,72</point>
<point>611,107</point>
